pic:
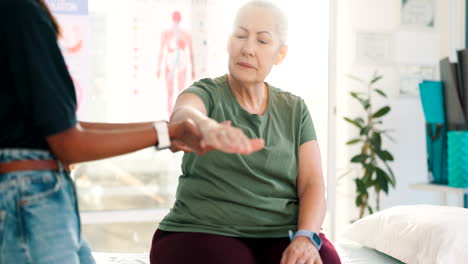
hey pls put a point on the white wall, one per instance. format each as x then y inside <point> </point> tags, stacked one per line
<point>406,117</point>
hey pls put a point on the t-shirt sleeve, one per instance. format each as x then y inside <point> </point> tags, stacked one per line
<point>307,126</point>
<point>205,91</point>
<point>42,83</point>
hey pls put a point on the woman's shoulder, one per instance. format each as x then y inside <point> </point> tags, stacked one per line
<point>22,9</point>
<point>19,6</point>
<point>210,84</point>
<point>286,97</point>
<point>211,81</point>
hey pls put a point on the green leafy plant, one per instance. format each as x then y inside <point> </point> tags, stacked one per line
<point>374,171</point>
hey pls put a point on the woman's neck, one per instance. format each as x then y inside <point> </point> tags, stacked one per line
<point>252,97</point>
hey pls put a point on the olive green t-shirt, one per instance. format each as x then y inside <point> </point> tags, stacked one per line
<point>238,195</point>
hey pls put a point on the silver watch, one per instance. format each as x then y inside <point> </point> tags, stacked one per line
<point>162,131</point>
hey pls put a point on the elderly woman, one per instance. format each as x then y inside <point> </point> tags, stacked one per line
<point>233,208</point>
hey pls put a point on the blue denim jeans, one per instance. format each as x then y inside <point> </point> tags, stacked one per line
<point>39,220</point>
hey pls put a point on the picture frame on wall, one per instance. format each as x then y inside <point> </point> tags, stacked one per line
<point>418,14</point>
<point>411,75</point>
<point>375,48</point>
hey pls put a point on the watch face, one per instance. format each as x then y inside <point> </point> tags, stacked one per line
<point>317,239</point>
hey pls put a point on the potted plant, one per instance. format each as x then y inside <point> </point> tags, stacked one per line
<point>374,171</point>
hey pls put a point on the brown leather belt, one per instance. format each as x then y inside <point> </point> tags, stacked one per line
<point>25,165</point>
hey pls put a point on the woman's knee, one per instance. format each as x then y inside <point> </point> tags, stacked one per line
<point>328,253</point>
<point>180,247</point>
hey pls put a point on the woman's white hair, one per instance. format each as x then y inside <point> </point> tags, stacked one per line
<point>280,17</point>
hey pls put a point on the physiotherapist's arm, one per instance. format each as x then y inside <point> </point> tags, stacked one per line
<point>78,144</point>
<point>114,126</point>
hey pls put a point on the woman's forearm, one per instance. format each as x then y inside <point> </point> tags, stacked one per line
<point>312,209</point>
<point>78,145</point>
<point>114,126</point>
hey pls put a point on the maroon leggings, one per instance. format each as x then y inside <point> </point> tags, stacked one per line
<point>183,248</point>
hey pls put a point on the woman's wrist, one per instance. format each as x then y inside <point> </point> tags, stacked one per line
<point>311,236</point>
<point>206,124</point>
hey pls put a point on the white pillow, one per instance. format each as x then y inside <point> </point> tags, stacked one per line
<point>417,234</point>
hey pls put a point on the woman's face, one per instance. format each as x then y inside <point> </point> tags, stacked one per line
<point>254,46</point>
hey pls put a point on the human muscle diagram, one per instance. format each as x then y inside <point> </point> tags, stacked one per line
<point>175,58</point>
<point>168,51</point>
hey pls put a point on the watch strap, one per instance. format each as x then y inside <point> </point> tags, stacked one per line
<point>162,131</point>
<point>313,237</point>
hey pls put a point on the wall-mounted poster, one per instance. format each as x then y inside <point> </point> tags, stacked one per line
<point>417,13</point>
<point>72,16</point>
<point>169,43</point>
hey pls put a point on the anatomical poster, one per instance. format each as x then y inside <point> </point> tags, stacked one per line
<point>72,16</point>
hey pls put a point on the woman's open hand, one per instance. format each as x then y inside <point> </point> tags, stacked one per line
<point>210,135</point>
<point>224,137</point>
